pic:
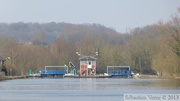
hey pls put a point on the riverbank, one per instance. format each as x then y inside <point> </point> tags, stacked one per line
<point>3,78</point>
<point>11,77</point>
<point>135,76</point>
<point>156,76</point>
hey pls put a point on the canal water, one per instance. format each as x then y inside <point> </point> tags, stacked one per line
<point>83,89</point>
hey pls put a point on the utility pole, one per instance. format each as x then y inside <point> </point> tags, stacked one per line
<point>10,70</point>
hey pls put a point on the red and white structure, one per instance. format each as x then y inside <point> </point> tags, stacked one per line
<point>87,65</point>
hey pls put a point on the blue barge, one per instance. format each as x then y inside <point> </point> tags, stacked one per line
<point>53,71</point>
<point>119,71</point>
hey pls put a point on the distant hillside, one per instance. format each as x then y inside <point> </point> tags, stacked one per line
<point>47,33</point>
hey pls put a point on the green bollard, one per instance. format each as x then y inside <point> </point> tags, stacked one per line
<point>74,71</point>
<point>30,72</point>
<point>36,72</point>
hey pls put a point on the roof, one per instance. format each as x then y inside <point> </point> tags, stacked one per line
<point>87,58</point>
<point>3,56</point>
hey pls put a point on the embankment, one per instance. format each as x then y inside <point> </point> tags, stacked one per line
<point>11,77</point>
<point>3,78</point>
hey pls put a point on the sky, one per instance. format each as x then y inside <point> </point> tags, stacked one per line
<point>121,15</point>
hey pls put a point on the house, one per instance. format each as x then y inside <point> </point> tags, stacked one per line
<point>87,65</point>
<point>2,60</point>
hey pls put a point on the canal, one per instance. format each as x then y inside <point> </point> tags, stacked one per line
<point>83,89</point>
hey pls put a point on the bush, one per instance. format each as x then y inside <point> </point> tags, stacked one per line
<point>4,70</point>
<point>2,74</point>
<point>149,71</point>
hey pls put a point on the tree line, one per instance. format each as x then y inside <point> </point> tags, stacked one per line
<point>148,50</point>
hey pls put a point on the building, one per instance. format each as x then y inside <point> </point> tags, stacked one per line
<point>2,60</point>
<point>87,65</point>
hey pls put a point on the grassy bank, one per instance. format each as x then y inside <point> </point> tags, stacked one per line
<point>3,78</point>
<point>155,76</point>
<point>11,77</point>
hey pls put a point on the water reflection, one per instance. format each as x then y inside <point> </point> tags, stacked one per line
<point>69,89</point>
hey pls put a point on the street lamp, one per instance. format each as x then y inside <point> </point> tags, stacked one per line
<point>78,53</point>
<point>10,67</point>
<point>96,53</point>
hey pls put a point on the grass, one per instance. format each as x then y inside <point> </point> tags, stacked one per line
<point>3,78</point>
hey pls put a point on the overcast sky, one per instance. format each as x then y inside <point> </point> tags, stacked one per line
<point>117,14</point>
